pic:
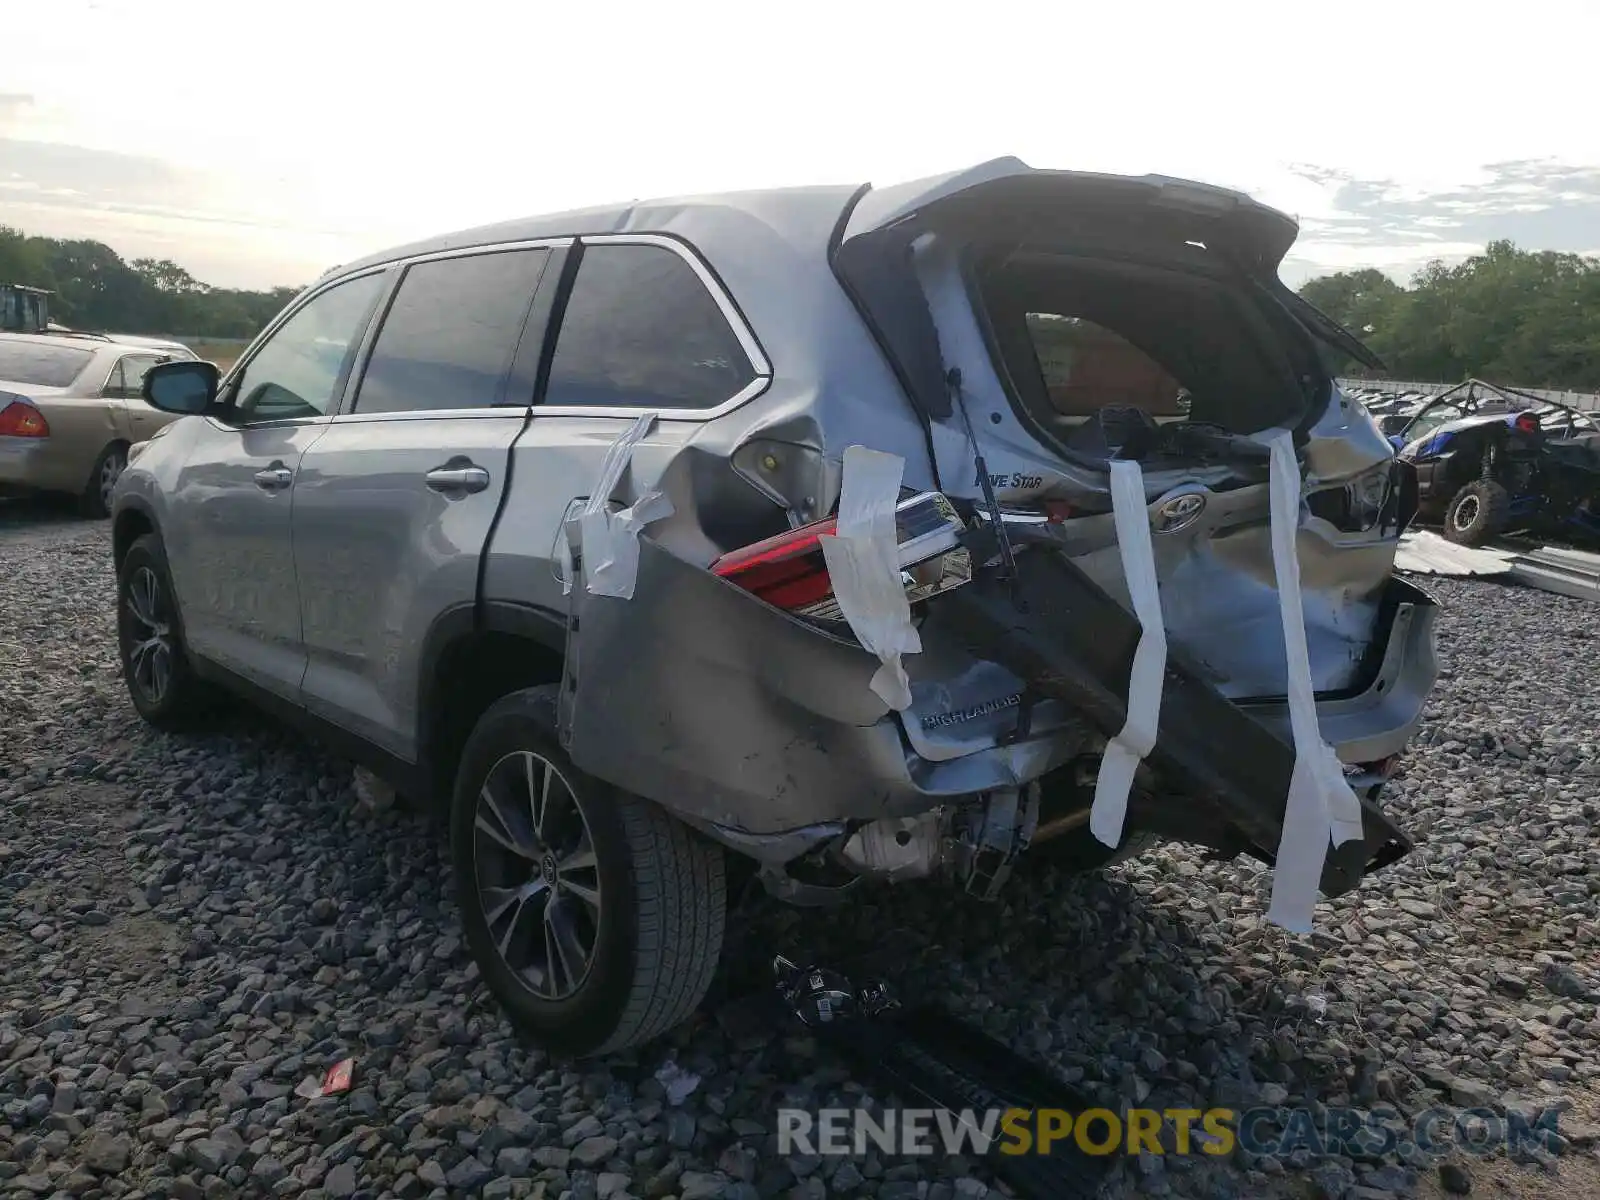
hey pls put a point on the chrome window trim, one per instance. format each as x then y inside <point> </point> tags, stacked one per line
<point>518,412</point>
<point>116,368</point>
<point>755,355</point>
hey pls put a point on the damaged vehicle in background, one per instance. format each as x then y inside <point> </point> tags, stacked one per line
<point>819,535</point>
<point>1491,460</point>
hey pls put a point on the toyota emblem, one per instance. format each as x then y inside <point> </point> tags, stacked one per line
<point>1179,512</point>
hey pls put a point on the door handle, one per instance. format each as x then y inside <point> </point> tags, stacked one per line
<point>275,478</point>
<point>457,479</point>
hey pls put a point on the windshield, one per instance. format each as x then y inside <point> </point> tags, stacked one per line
<point>41,366</point>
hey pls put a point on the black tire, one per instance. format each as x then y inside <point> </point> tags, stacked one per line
<point>1478,513</point>
<point>95,501</point>
<point>184,699</point>
<point>655,931</point>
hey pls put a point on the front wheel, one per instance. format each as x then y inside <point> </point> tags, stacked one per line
<point>595,917</point>
<point>1479,512</point>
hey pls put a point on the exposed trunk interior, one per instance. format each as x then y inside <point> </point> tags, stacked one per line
<point>1074,335</point>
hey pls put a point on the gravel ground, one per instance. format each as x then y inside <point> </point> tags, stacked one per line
<point>192,926</point>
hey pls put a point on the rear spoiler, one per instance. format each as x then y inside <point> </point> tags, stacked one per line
<point>871,252</point>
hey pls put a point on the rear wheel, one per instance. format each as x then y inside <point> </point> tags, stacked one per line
<point>95,502</point>
<point>1477,513</point>
<point>161,682</point>
<point>595,917</point>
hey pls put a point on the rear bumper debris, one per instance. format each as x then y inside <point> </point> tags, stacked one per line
<point>1074,643</point>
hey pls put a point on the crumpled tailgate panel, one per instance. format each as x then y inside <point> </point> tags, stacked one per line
<point>1072,642</point>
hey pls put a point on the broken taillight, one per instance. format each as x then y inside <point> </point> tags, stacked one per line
<point>21,419</point>
<point>788,570</point>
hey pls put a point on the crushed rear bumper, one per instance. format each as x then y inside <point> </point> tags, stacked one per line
<point>762,729</point>
<point>1231,761</point>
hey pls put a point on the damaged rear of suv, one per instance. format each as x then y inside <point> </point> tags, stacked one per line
<point>876,534</point>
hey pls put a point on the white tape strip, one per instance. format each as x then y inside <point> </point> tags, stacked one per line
<point>863,557</point>
<point>1123,754</point>
<point>1320,810</point>
<point>611,540</point>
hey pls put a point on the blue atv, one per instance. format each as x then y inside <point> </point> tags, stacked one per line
<point>1489,461</point>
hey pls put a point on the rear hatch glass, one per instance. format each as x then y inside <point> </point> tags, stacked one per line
<point>41,366</point>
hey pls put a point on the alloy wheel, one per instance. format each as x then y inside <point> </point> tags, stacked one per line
<point>150,642</point>
<point>1466,513</point>
<point>536,875</point>
<point>110,471</point>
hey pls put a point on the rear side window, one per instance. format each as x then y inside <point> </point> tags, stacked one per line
<point>449,337</point>
<point>642,331</point>
<point>127,378</point>
<point>41,366</point>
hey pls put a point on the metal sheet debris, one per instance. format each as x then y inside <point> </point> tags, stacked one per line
<point>863,557</point>
<point>1423,552</point>
<point>1564,572</point>
<point>1555,569</point>
<point>926,1055</point>
<point>1128,749</point>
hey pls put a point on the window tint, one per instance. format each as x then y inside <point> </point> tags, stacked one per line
<point>641,330</point>
<point>295,373</point>
<point>1087,367</point>
<point>41,366</point>
<point>449,336</point>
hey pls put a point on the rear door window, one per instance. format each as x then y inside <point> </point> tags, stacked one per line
<point>449,336</point>
<point>641,330</point>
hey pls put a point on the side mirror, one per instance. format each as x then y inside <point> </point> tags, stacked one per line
<point>185,388</point>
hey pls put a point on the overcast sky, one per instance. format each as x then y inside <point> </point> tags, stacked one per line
<point>258,145</point>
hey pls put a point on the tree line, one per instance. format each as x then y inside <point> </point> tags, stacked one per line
<point>1517,317</point>
<point>1520,317</point>
<point>96,289</point>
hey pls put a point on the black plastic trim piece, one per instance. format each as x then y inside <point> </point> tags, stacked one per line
<point>405,777</point>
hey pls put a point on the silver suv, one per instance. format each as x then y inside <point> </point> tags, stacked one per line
<point>814,536</point>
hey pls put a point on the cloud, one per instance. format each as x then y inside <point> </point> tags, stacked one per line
<point>144,207</point>
<point>13,107</point>
<point>1539,204</point>
<point>248,226</point>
